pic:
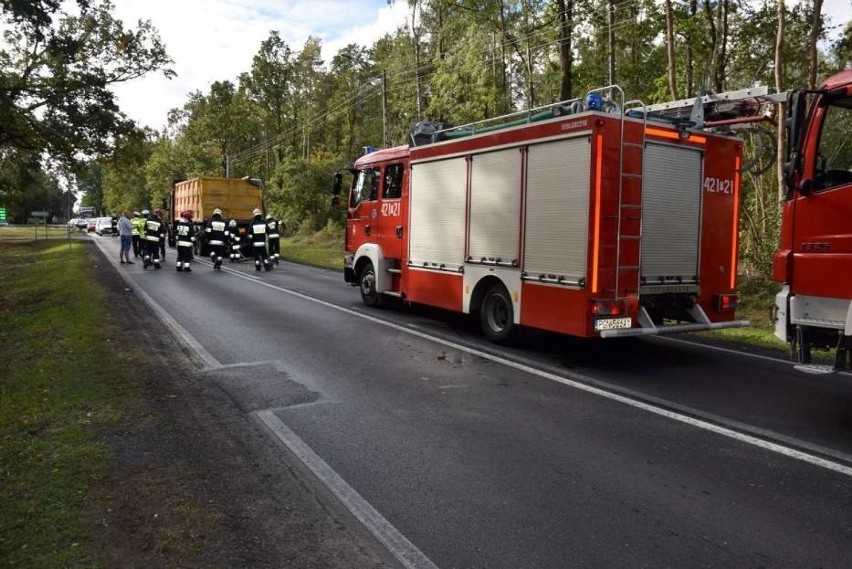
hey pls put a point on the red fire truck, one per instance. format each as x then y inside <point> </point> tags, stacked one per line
<point>591,217</point>
<point>814,261</point>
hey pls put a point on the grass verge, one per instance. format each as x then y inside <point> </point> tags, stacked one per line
<point>72,386</point>
<point>59,387</point>
<point>323,249</point>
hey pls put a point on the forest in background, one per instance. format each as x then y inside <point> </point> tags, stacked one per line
<point>292,119</point>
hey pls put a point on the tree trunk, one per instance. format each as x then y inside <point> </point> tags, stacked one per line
<point>812,44</point>
<point>690,64</point>
<point>670,50</point>
<point>723,47</point>
<point>415,39</point>
<point>611,39</point>
<point>713,16</point>
<point>566,58</point>
<point>779,65</point>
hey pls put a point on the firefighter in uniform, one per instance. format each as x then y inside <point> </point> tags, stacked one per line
<point>216,234</point>
<point>273,229</point>
<point>155,234</point>
<point>184,238</point>
<point>234,240</point>
<point>257,238</point>
<point>138,224</point>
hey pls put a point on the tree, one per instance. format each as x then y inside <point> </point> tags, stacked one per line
<point>56,70</point>
<point>124,176</point>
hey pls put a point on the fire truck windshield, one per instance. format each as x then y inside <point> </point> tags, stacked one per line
<point>366,187</point>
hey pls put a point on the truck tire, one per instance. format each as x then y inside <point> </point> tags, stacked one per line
<point>367,282</point>
<point>496,315</point>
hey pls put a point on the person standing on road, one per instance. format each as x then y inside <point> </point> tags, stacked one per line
<point>184,237</point>
<point>155,234</point>
<point>216,233</point>
<point>138,223</point>
<point>234,240</point>
<point>125,231</point>
<point>257,238</point>
<point>273,234</point>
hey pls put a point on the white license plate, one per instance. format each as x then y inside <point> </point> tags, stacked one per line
<point>613,323</point>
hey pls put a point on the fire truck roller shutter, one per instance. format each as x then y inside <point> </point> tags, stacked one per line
<point>437,205</point>
<point>495,206</point>
<point>671,214</point>
<point>557,208</point>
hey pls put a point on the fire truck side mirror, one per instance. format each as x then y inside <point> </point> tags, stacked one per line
<point>336,188</point>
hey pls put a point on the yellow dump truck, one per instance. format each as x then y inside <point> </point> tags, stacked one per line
<point>236,197</point>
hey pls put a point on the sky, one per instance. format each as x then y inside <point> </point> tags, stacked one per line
<point>215,40</point>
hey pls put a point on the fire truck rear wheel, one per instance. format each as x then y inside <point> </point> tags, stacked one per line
<point>367,279</point>
<point>496,315</point>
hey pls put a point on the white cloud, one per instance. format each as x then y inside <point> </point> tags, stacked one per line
<point>215,40</point>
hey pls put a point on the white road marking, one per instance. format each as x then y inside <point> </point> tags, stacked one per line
<point>404,551</point>
<point>730,351</point>
<point>582,382</point>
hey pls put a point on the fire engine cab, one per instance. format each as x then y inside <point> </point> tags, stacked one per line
<point>593,217</point>
<point>814,261</point>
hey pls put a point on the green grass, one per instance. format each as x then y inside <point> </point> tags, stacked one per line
<point>757,296</point>
<point>323,249</point>
<point>62,382</point>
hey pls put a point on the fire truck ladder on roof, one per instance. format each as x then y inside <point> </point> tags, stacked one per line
<point>751,105</point>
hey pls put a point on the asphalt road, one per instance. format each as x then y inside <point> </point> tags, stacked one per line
<point>554,453</point>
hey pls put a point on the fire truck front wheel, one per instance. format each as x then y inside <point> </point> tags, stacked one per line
<point>367,282</point>
<point>496,315</point>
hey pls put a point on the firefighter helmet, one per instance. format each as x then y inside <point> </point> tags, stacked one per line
<point>257,212</point>
<point>232,223</point>
<point>269,216</point>
<point>186,214</point>
<point>158,212</point>
<point>217,211</point>
<point>145,212</point>
<point>136,214</point>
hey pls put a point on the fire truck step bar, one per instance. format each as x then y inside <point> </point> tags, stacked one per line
<point>648,328</point>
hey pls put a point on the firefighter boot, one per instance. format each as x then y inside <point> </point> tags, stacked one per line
<point>146,260</point>
<point>267,265</point>
<point>179,267</point>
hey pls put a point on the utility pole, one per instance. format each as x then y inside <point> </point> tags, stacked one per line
<point>385,137</point>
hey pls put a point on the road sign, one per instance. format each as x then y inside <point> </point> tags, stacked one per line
<point>38,213</point>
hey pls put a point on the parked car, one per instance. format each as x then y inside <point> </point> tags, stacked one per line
<point>78,224</point>
<point>103,226</point>
<point>91,224</point>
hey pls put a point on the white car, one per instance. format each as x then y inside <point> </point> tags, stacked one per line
<point>103,226</point>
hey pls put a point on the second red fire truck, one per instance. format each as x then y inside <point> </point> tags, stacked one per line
<point>814,262</point>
